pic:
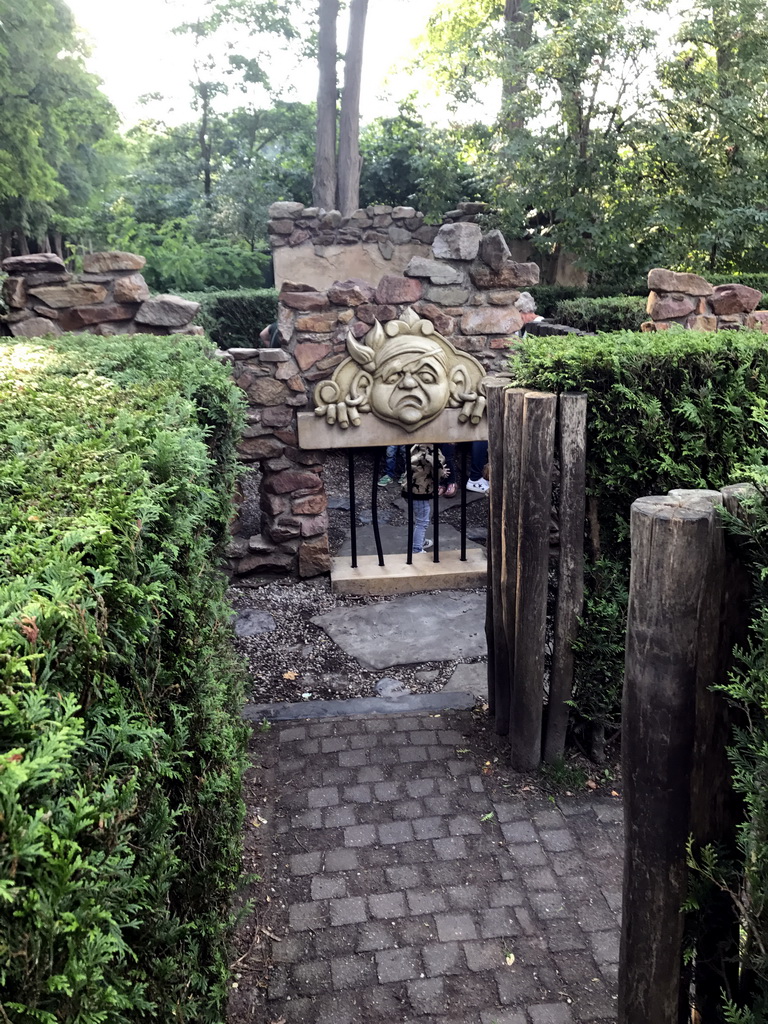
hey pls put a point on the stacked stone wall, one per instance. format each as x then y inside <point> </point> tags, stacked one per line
<point>109,297</point>
<point>691,302</point>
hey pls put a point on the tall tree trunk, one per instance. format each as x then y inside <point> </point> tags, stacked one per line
<point>204,140</point>
<point>518,31</point>
<point>324,182</point>
<point>349,135</point>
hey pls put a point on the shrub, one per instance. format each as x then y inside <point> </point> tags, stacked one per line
<point>666,409</point>
<point>620,313</point>
<point>548,296</point>
<point>235,319</point>
<point>121,748</point>
<point>759,281</point>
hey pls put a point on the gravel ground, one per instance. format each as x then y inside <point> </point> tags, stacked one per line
<point>298,661</point>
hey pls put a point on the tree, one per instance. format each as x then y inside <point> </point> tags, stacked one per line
<point>324,183</point>
<point>349,128</point>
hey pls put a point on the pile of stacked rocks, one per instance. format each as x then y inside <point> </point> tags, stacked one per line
<point>109,297</point>
<point>687,300</point>
<point>294,224</point>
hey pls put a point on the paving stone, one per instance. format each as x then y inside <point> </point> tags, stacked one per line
<point>547,905</point>
<point>516,984</point>
<point>404,877</point>
<point>370,773</point>
<point>552,817</point>
<point>325,796</point>
<point>333,744</point>
<point>304,916</point>
<point>347,911</point>
<point>443,958</point>
<point>408,755</point>
<point>292,949</point>
<point>279,983</point>
<point>498,922</point>
<point>605,946</point>
<point>550,1013</point>
<point>594,916</point>
<point>455,927</point>
<point>540,878</point>
<point>425,901</point>
<point>360,742</point>
<point>503,1017</point>
<point>312,978</point>
<point>298,732</point>
<point>511,810</point>
<point>453,848</point>
<point>358,794</point>
<point>464,825</point>
<point>415,931</point>
<point>326,887</point>
<point>360,835</point>
<point>375,935</point>
<point>341,860</point>
<point>398,964</point>
<point>484,956</point>
<point>528,856</point>
<point>466,897</point>
<point>505,894</point>
<point>557,840</point>
<point>360,883</point>
<point>417,853</point>
<point>387,791</point>
<point>427,995</point>
<point>353,758</point>
<point>430,828</point>
<point>353,971</point>
<point>564,935</point>
<point>396,832</point>
<point>339,817</point>
<point>387,905</point>
<point>519,832</point>
<point>527,924</point>
<point>310,819</point>
<point>420,787</point>
<point>321,729</point>
<point>305,863</point>
<point>339,776</point>
<point>409,809</point>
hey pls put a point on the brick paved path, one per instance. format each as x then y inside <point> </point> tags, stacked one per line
<point>418,889</point>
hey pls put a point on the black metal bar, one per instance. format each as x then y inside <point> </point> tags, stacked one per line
<point>463,486</point>
<point>352,508</point>
<point>409,488</point>
<point>375,506</point>
<point>436,500</point>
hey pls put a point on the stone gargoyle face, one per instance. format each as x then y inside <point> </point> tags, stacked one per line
<point>411,386</point>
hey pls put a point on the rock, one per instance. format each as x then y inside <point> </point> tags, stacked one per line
<point>51,277</point>
<point>266,391</point>
<point>167,311</point>
<point>443,324</point>
<point>260,447</point>
<point>368,314</point>
<point>491,320</point>
<point>504,297</point>
<point>190,329</point>
<point>252,622</point>
<point>332,219</point>
<point>758,321</point>
<point>511,275</point>
<point>446,295</point>
<point>353,292</point>
<point>276,417</point>
<point>61,296</point>
<point>669,306</point>
<point>701,323</point>
<point>403,212</point>
<point>314,556</point>
<point>472,209</point>
<point>389,687</point>
<point>290,210</point>
<point>307,302</point>
<point>311,505</point>
<point>469,678</point>
<point>313,526</point>
<point>294,286</point>
<point>17,316</point>
<point>437,272</point>
<point>292,480</point>
<point>494,250</point>
<point>387,249</point>
<point>100,262</point>
<point>398,289</point>
<point>399,236</point>
<point>36,261</point>
<point>457,242</point>
<point>317,323</point>
<point>309,352</point>
<point>426,234</point>
<point>86,316</point>
<point>280,227</point>
<point>734,298</point>
<point>669,281</point>
<point>237,547</point>
<point>15,292</point>
<point>526,303</point>
<point>132,288</point>
<point>36,327</point>
<point>269,561</point>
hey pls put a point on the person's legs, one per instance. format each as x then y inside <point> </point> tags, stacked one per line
<point>476,480</point>
<point>448,485</point>
<point>390,472</point>
<point>420,523</point>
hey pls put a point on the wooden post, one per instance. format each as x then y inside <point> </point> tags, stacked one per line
<point>510,525</point>
<point>676,556</point>
<point>537,456</point>
<point>570,585</point>
<point>498,655</point>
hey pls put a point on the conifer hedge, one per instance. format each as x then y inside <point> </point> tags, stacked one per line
<point>666,409</point>
<point>121,748</point>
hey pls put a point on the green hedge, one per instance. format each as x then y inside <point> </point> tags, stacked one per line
<point>666,409</point>
<point>235,319</point>
<point>548,296</point>
<point>759,281</point>
<point>619,313</point>
<point>121,748</point>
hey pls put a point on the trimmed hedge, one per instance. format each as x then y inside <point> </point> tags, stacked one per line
<point>548,296</point>
<point>759,281</point>
<point>121,746</point>
<point>235,319</point>
<point>620,313</point>
<point>666,409</point>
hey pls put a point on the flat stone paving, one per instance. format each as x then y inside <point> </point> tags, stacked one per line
<point>416,888</point>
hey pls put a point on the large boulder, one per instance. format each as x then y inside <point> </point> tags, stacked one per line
<point>494,250</point>
<point>287,210</point>
<point>353,292</point>
<point>660,280</point>
<point>491,320</point>
<point>734,298</point>
<point>437,272</point>
<point>511,275</point>
<point>670,306</point>
<point>36,327</point>
<point>64,296</point>
<point>167,311</point>
<point>132,288</point>
<point>457,242</point>
<point>102,262</point>
<point>392,289</point>
<point>35,261</point>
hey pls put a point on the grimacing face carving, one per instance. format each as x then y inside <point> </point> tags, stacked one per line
<point>404,373</point>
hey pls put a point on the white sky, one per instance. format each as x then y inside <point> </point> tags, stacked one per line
<point>135,52</point>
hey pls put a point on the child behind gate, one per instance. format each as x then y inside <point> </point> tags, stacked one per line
<point>423,490</point>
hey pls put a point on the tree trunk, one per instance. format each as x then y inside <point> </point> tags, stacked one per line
<point>204,139</point>
<point>518,28</point>
<point>324,182</point>
<point>349,135</point>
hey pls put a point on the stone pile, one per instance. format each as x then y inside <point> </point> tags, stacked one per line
<point>293,224</point>
<point>109,297</point>
<point>689,301</point>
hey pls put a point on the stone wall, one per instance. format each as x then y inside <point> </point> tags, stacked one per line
<point>689,301</point>
<point>109,297</point>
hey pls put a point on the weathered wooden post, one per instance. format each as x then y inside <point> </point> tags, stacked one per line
<point>537,456</point>
<point>499,682</point>
<point>510,523</point>
<point>570,580</point>
<point>674,604</point>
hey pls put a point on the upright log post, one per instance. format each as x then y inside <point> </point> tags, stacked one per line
<point>510,525</point>
<point>498,654</point>
<point>677,565</point>
<point>570,583</point>
<point>537,456</point>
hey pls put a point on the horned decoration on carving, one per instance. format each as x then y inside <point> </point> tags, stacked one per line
<point>403,372</point>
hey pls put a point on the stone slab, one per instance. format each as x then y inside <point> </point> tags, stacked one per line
<point>412,629</point>
<point>394,540</point>
<point>469,678</point>
<point>252,622</point>
<point>369,579</point>
<point>325,265</point>
<point>405,704</point>
<point>316,433</point>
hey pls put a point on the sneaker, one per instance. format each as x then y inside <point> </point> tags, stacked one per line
<point>386,480</point>
<point>427,545</point>
<point>480,486</point>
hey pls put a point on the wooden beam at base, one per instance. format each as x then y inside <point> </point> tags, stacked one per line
<point>371,579</point>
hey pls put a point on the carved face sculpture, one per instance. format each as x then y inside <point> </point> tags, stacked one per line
<point>411,385</point>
